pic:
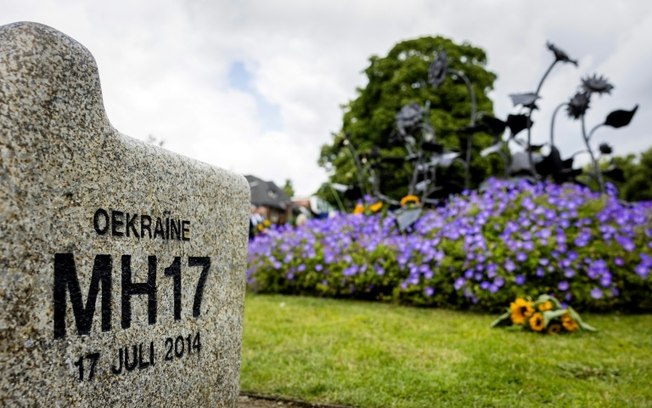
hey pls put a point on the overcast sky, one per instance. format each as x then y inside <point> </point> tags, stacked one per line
<point>256,87</point>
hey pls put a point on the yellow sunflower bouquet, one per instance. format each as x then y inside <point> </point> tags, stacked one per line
<point>544,315</point>
<point>368,209</point>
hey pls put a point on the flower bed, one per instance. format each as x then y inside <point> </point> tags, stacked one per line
<point>482,249</point>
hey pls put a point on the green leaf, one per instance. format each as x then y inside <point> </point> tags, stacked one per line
<point>547,298</point>
<point>551,315</point>
<point>503,320</point>
<point>580,322</point>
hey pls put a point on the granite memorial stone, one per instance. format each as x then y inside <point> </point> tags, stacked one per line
<point>122,270</point>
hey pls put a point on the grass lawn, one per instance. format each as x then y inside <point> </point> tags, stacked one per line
<point>379,355</point>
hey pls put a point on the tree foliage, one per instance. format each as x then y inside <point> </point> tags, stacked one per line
<point>288,188</point>
<point>635,182</point>
<point>396,80</point>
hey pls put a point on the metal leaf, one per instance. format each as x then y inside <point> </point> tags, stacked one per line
<point>620,118</point>
<point>491,149</point>
<point>432,147</point>
<point>517,123</point>
<point>520,165</point>
<point>406,217</point>
<point>615,173</point>
<point>422,185</point>
<point>551,164</point>
<point>444,160</point>
<point>494,126</point>
<point>339,187</point>
<point>535,148</point>
<point>526,99</point>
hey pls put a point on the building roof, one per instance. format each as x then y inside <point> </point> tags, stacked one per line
<point>267,194</point>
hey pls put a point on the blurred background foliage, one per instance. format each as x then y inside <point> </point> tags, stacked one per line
<point>399,79</point>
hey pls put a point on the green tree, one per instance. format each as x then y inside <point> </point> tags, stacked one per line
<point>288,188</point>
<point>399,79</point>
<point>636,182</point>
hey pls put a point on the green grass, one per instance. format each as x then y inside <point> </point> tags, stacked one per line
<point>380,355</point>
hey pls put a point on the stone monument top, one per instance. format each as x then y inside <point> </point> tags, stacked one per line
<point>122,268</point>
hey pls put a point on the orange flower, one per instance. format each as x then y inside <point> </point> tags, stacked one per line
<point>520,310</point>
<point>374,208</point>
<point>359,209</point>
<point>568,323</point>
<point>409,199</point>
<point>547,305</point>
<point>536,322</point>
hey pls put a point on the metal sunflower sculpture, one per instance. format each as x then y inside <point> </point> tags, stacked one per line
<point>528,100</point>
<point>415,132</point>
<point>576,109</point>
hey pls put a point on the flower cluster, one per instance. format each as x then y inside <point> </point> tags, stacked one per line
<point>366,208</point>
<point>544,315</point>
<point>481,249</point>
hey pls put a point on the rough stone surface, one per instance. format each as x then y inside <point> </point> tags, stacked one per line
<point>61,162</point>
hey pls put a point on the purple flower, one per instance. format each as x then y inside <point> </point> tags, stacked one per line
<point>626,243</point>
<point>519,279</point>
<point>509,265</point>
<point>351,270</point>
<point>528,246</point>
<point>521,256</point>
<point>544,233</point>
<point>491,269</point>
<point>596,293</point>
<point>642,270</point>
<point>563,286</point>
<point>459,283</point>
<point>379,270</point>
<point>319,267</point>
<point>569,273</point>
<point>605,280</point>
<point>581,241</point>
<point>429,291</point>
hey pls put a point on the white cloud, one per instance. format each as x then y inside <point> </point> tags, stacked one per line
<point>164,66</point>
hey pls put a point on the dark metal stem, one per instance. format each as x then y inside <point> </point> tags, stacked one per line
<point>337,198</point>
<point>552,123</point>
<point>529,115</point>
<point>474,107</point>
<point>596,127</point>
<point>358,165</point>
<point>596,166</point>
